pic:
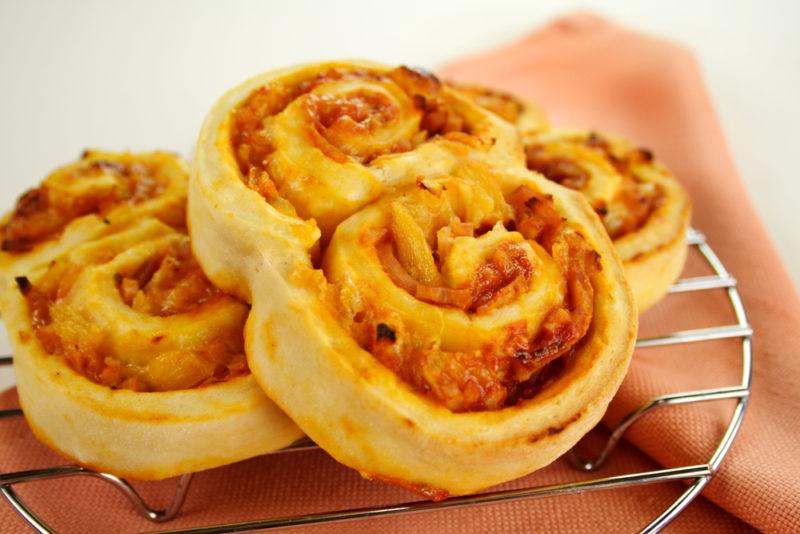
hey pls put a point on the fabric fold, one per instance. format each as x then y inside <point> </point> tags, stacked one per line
<point>585,71</point>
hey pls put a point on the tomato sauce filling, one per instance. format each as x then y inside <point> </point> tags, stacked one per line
<point>515,367</point>
<point>337,117</point>
<point>638,199</point>
<point>170,284</point>
<point>41,214</point>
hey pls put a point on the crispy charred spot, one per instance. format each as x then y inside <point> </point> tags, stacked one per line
<point>422,71</point>
<point>420,102</point>
<point>23,284</point>
<point>409,423</point>
<point>384,331</point>
<point>646,155</point>
<point>415,80</point>
<point>32,201</point>
<point>554,430</point>
<point>529,388</point>
<point>595,140</point>
<point>523,355</point>
<point>482,229</point>
<point>86,153</point>
<point>157,339</point>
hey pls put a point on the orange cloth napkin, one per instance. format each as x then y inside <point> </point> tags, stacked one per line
<point>585,72</point>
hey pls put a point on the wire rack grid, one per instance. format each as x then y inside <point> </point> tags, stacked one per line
<point>697,475</point>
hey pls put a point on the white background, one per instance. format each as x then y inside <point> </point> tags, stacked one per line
<point>141,75</point>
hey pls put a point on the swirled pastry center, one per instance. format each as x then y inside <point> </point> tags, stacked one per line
<point>146,323</point>
<point>342,103</point>
<point>87,187</point>
<point>467,295</point>
<point>312,146</point>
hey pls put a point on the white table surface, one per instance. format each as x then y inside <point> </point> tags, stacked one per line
<point>142,75</point>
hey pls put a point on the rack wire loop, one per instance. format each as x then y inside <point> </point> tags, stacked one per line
<point>618,481</point>
<point>49,473</point>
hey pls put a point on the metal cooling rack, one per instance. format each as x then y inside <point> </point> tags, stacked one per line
<point>697,475</point>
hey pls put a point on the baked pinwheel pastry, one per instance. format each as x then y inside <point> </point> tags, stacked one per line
<point>427,310</point>
<point>127,359</point>
<point>643,207</point>
<point>92,197</point>
<point>524,114</point>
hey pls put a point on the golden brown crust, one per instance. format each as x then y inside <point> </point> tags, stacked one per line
<point>301,340</point>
